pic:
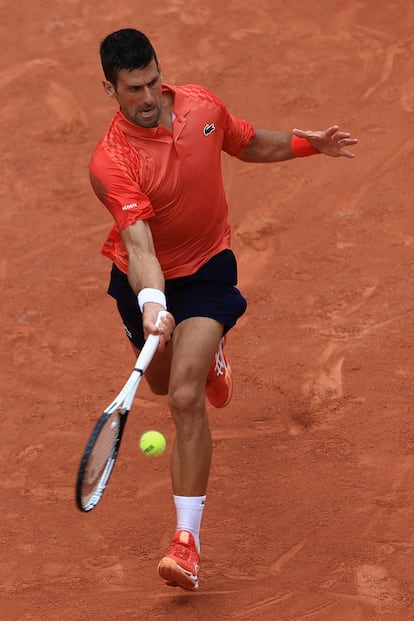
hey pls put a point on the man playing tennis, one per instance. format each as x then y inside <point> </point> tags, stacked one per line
<point>158,171</point>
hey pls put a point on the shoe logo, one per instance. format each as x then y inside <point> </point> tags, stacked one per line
<point>209,129</point>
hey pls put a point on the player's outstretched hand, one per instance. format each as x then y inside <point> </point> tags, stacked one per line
<point>329,141</point>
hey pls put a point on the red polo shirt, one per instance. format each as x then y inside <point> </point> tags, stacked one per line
<point>173,180</point>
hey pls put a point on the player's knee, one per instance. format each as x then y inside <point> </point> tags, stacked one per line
<point>185,400</point>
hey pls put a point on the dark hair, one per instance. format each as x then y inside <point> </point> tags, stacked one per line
<point>125,49</point>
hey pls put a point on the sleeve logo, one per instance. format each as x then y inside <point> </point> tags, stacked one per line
<point>131,206</point>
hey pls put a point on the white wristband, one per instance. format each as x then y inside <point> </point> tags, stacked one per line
<point>151,295</point>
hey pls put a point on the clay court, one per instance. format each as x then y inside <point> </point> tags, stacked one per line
<point>310,510</point>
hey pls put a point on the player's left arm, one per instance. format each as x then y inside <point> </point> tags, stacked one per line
<point>276,146</point>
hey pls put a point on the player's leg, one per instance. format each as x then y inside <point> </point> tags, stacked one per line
<point>211,292</point>
<point>215,283</point>
<point>195,341</point>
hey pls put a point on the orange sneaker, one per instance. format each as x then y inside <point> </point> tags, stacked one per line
<point>219,386</point>
<point>181,565</point>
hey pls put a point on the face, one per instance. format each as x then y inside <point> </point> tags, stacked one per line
<point>139,94</point>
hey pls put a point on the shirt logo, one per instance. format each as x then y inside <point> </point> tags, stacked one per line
<point>131,206</point>
<point>209,129</point>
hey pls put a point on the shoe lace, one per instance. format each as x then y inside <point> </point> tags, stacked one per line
<point>181,550</point>
<point>220,365</point>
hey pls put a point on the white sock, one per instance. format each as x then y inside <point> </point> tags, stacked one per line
<point>189,513</point>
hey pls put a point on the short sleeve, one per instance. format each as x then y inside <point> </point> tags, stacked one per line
<point>237,134</point>
<point>117,187</point>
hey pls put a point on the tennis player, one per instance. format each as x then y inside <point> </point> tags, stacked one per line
<point>158,171</point>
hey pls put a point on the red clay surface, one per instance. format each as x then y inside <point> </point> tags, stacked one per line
<point>310,512</point>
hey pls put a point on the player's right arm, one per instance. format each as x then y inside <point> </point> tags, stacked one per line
<point>117,188</point>
<point>144,269</point>
<point>144,272</point>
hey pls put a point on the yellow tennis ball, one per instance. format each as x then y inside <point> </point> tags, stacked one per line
<point>152,443</point>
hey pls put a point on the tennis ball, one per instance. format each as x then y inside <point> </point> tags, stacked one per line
<point>152,443</point>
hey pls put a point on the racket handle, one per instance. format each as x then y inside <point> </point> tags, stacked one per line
<point>150,347</point>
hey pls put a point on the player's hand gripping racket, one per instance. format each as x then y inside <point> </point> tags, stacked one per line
<point>103,445</point>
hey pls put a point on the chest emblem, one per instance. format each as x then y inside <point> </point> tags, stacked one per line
<point>209,129</point>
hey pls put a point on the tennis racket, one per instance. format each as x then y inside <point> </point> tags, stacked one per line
<point>103,445</point>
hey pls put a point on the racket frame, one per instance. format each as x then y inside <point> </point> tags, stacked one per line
<point>122,402</point>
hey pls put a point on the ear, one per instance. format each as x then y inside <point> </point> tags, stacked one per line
<point>109,88</point>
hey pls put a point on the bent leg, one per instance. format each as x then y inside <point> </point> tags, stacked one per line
<point>195,342</point>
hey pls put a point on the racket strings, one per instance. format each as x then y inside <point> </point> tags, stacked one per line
<point>100,457</point>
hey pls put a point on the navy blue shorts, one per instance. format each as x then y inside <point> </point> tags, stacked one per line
<point>210,292</point>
